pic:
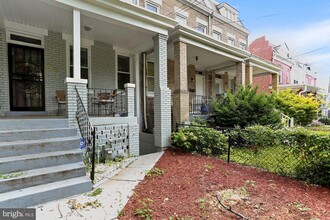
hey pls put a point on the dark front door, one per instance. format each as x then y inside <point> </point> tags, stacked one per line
<point>26,78</point>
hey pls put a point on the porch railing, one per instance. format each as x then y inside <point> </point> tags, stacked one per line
<point>87,132</point>
<point>106,102</point>
<point>199,104</point>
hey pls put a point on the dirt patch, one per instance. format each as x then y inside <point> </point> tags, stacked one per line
<point>188,190</point>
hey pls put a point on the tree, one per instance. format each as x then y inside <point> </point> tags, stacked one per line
<point>302,108</point>
<point>244,108</point>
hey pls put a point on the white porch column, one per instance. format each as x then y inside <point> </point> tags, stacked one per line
<point>76,44</point>
<point>162,94</point>
<point>81,85</point>
<point>130,97</point>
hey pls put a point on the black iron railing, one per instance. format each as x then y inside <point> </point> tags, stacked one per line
<point>106,102</point>
<point>199,104</point>
<point>87,132</point>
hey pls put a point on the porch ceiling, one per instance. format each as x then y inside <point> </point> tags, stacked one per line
<point>206,60</point>
<point>58,17</point>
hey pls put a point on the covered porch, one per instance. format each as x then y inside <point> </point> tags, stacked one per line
<point>93,46</point>
<point>202,69</point>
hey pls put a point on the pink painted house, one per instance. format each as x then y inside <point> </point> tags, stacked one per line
<point>294,74</point>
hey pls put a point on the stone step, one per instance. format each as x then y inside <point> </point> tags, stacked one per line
<point>20,148</point>
<point>35,195</point>
<point>35,123</point>
<point>15,181</point>
<point>29,134</point>
<point>35,161</point>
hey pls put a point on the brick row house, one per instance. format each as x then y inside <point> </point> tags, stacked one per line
<point>294,75</point>
<point>135,67</point>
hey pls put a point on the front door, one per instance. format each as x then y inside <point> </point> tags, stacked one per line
<point>26,78</point>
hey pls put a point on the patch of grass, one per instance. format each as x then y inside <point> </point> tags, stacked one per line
<point>301,207</point>
<point>96,192</point>
<point>145,211</point>
<point>94,204</point>
<point>277,159</point>
<point>11,175</point>
<point>202,203</point>
<point>154,172</point>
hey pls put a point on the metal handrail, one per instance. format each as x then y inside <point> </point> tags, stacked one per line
<point>87,131</point>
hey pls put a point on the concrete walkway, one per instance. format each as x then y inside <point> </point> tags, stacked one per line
<point>116,190</point>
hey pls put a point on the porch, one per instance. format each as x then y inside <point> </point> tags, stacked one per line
<point>94,55</point>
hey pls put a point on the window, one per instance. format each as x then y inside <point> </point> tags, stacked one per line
<point>231,41</point>
<point>295,81</point>
<point>182,20</point>
<point>152,7</point>
<point>217,35</point>
<point>123,68</point>
<point>150,76</point>
<point>280,79</point>
<point>242,46</point>
<point>83,63</point>
<point>201,28</point>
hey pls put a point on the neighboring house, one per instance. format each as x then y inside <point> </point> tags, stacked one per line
<point>294,75</point>
<point>135,65</point>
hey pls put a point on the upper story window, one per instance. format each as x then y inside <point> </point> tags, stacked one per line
<point>216,35</point>
<point>242,46</point>
<point>295,81</point>
<point>231,41</point>
<point>181,19</point>
<point>201,28</point>
<point>152,7</point>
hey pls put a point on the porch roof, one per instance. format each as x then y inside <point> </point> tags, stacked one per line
<point>111,21</point>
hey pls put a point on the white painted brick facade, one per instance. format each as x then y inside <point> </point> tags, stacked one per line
<point>103,66</point>
<point>55,69</point>
<point>162,94</point>
<point>4,78</point>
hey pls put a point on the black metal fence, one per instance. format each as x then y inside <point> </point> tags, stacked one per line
<point>87,131</point>
<point>242,149</point>
<point>106,102</point>
<point>199,104</point>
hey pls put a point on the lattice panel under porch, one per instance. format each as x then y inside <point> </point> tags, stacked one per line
<point>114,138</point>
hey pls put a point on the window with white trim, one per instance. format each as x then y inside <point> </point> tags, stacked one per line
<point>295,81</point>
<point>152,7</point>
<point>181,19</point>
<point>123,71</point>
<point>231,41</point>
<point>201,28</point>
<point>84,62</point>
<point>216,35</point>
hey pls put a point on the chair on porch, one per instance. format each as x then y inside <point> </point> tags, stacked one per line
<point>106,100</point>
<point>61,100</point>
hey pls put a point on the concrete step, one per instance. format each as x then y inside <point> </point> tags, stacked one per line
<point>35,161</point>
<point>41,176</point>
<point>35,123</point>
<point>20,148</point>
<point>34,134</point>
<point>44,193</point>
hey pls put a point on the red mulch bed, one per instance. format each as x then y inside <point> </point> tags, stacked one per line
<point>188,187</point>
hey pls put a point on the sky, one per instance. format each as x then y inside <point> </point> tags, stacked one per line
<point>304,25</point>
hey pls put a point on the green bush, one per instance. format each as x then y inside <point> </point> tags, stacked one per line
<point>302,109</point>
<point>200,139</point>
<point>313,149</point>
<point>244,108</point>
<point>325,121</point>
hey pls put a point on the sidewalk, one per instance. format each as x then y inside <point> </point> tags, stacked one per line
<point>116,191</point>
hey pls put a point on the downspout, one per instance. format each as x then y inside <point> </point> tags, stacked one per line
<point>144,91</point>
<point>305,90</point>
